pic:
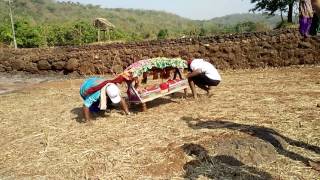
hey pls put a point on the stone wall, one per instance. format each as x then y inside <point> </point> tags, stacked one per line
<point>249,50</point>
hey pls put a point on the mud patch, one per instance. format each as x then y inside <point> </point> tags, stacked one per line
<point>247,149</point>
<point>228,155</point>
<point>173,162</point>
<point>218,166</point>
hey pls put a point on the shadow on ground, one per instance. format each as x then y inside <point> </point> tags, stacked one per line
<point>80,118</point>
<point>218,167</point>
<point>277,140</point>
<point>136,108</point>
<point>133,108</point>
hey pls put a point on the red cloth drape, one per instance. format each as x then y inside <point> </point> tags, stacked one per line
<point>98,87</point>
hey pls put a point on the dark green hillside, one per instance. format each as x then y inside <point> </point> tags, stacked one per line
<point>237,18</point>
<point>141,22</point>
<point>52,23</point>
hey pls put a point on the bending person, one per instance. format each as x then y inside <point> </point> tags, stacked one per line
<point>203,74</point>
<point>99,99</point>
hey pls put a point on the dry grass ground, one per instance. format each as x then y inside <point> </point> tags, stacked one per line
<point>258,124</point>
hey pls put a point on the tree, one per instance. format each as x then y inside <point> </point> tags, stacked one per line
<point>163,34</point>
<point>83,33</point>
<point>273,6</point>
<point>118,34</point>
<point>28,36</point>
<point>5,33</point>
<point>250,26</point>
<point>245,27</point>
<point>203,31</point>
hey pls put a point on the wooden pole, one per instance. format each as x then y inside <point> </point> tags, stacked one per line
<point>108,34</point>
<point>12,26</point>
<point>98,35</point>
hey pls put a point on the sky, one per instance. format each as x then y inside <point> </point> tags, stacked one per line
<point>192,9</point>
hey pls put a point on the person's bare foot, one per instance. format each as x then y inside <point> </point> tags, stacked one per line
<point>209,94</point>
<point>89,123</point>
<point>207,89</point>
<point>315,165</point>
<point>195,97</point>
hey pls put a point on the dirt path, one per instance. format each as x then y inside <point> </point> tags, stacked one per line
<point>258,124</point>
<point>9,82</point>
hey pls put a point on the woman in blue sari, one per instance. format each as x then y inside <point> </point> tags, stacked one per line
<point>99,100</point>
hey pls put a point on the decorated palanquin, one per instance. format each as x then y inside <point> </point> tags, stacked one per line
<point>166,78</point>
<point>140,90</point>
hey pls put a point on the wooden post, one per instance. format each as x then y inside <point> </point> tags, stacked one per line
<point>12,26</point>
<point>108,34</point>
<point>98,35</point>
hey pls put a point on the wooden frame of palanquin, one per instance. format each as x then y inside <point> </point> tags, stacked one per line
<point>183,85</point>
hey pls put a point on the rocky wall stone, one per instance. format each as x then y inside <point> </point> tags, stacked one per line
<point>247,50</point>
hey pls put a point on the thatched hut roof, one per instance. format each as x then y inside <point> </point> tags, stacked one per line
<point>103,24</point>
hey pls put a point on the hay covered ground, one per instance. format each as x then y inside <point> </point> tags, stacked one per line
<point>258,124</point>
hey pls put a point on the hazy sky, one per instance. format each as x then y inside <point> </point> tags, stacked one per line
<point>193,9</point>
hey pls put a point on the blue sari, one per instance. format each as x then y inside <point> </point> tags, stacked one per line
<point>91,101</point>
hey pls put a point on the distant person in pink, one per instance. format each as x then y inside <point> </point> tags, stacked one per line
<point>305,17</point>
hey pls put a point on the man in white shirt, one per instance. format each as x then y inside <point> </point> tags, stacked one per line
<point>203,74</point>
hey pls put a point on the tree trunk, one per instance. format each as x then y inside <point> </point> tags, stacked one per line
<point>290,13</point>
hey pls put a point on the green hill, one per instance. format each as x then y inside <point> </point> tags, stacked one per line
<point>234,19</point>
<point>52,23</point>
<point>128,20</point>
